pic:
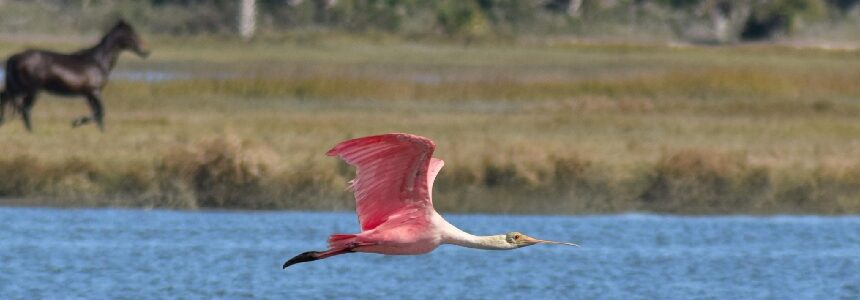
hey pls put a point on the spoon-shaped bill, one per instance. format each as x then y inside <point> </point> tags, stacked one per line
<point>557,243</point>
<point>539,241</point>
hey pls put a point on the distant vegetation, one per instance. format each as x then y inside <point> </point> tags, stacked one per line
<point>530,127</point>
<point>709,21</point>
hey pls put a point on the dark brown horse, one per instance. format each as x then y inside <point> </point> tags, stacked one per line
<point>82,73</point>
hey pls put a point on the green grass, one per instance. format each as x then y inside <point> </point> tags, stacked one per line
<point>527,127</point>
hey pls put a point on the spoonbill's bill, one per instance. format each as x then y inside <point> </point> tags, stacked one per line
<point>393,189</point>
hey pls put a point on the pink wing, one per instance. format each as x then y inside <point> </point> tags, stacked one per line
<point>434,168</point>
<point>394,171</point>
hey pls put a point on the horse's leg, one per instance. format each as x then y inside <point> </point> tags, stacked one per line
<point>29,100</point>
<point>4,100</point>
<point>81,121</point>
<point>96,106</point>
<point>7,99</point>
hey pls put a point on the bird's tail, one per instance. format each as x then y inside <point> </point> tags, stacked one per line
<point>340,241</point>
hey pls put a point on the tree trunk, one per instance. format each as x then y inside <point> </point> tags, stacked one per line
<point>247,18</point>
<point>573,8</point>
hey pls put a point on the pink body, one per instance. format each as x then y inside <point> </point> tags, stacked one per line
<point>395,174</point>
<point>393,184</point>
<point>401,238</point>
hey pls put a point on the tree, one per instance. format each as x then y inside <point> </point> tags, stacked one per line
<point>247,18</point>
<point>778,17</point>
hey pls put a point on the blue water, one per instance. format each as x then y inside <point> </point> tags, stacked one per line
<point>136,254</point>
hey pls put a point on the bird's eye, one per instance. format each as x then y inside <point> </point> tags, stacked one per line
<point>517,237</point>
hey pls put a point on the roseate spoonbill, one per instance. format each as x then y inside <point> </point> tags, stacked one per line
<point>393,190</point>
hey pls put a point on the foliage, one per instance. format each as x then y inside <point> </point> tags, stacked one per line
<point>457,19</point>
<point>778,17</point>
<point>461,19</point>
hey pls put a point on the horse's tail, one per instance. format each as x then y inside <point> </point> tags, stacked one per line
<point>4,102</point>
<point>12,85</point>
<point>12,80</point>
<point>5,95</point>
<point>4,99</point>
<point>7,101</point>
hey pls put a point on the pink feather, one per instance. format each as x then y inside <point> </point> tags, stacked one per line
<point>395,173</point>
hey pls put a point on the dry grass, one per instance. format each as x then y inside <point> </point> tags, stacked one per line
<point>530,128</point>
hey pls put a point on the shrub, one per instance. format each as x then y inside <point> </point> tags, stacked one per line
<point>221,172</point>
<point>700,181</point>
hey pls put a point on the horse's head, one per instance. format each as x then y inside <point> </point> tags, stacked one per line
<point>127,39</point>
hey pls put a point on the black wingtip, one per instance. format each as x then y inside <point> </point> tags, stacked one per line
<point>304,257</point>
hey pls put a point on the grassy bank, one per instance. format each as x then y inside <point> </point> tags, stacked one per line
<point>538,127</point>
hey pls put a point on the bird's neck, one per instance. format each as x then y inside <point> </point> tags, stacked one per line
<point>490,242</point>
<point>455,236</point>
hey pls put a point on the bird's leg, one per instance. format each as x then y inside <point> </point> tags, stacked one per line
<point>315,255</point>
<point>304,257</point>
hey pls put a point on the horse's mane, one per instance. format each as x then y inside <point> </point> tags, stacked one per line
<point>106,38</point>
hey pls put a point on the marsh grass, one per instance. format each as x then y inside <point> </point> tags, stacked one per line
<point>528,128</point>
